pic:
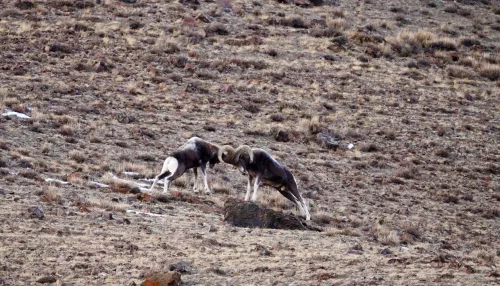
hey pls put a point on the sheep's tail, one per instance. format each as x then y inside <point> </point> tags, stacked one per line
<point>164,171</point>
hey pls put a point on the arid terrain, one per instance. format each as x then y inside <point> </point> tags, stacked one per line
<point>387,112</point>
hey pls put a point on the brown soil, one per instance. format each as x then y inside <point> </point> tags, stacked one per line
<point>114,86</point>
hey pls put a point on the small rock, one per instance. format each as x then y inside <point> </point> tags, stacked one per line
<point>35,212</point>
<point>263,250</point>
<point>181,266</point>
<point>171,278</point>
<point>25,5</point>
<point>47,279</point>
<point>386,251</point>
<point>327,140</point>
<point>212,228</point>
<point>100,67</point>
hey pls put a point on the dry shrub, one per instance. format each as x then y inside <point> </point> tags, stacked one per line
<point>78,156</point>
<point>489,71</point>
<point>256,64</point>
<point>467,61</point>
<point>51,194</point>
<point>445,44</point>
<point>369,147</point>
<point>384,235</point>
<point>328,32</point>
<point>216,28</point>
<point>221,188</point>
<point>322,218</point>
<point>311,126</point>
<point>294,22</point>
<point>407,173</point>
<point>336,24</point>
<point>469,42</point>
<point>411,229</point>
<point>459,72</point>
<point>29,173</point>
<point>143,170</point>
<point>107,205</point>
<point>349,232</point>
<point>66,130</point>
<point>407,43</point>
<point>183,182</point>
<point>119,183</point>
<point>338,13</point>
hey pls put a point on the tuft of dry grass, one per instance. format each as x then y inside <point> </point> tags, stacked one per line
<point>107,205</point>
<point>445,44</point>
<point>144,170</point>
<point>407,43</point>
<point>337,13</point>
<point>459,72</point>
<point>467,61</point>
<point>67,130</point>
<point>52,194</point>
<point>489,71</point>
<point>78,156</point>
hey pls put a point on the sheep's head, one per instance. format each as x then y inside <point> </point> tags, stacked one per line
<point>226,154</point>
<point>241,151</point>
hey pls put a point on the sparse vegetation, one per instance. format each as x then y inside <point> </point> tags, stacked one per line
<point>383,112</point>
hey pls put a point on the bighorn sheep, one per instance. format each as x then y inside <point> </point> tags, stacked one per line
<point>262,167</point>
<point>195,153</point>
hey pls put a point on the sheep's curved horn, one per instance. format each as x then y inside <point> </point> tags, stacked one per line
<point>229,150</point>
<point>243,149</point>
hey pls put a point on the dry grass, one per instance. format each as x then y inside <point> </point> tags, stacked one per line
<point>110,179</point>
<point>52,194</point>
<point>77,155</point>
<point>445,44</point>
<point>489,71</point>
<point>107,205</point>
<point>144,171</point>
<point>407,43</point>
<point>459,72</point>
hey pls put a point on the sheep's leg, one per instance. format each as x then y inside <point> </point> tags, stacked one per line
<point>304,208</point>
<point>249,189</point>
<point>173,168</point>
<point>165,171</point>
<point>300,204</point>
<point>255,187</point>
<point>204,173</point>
<point>195,186</point>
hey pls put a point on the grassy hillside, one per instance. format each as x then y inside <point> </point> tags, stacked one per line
<point>111,87</point>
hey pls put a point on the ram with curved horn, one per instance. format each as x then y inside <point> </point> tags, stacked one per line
<point>260,166</point>
<point>195,153</point>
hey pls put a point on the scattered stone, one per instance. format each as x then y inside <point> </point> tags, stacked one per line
<point>262,250</point>
<point>386,251</point>
<point>212,228</point>
<point>328,140</point>
<point>171,278</point>
<point>58,48</point>
<point>181,266</point>
<point>25,5</point>
<point>249,214</point>
<point>47,279</point>
<point>100,67</point>
<point>35,212</point>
